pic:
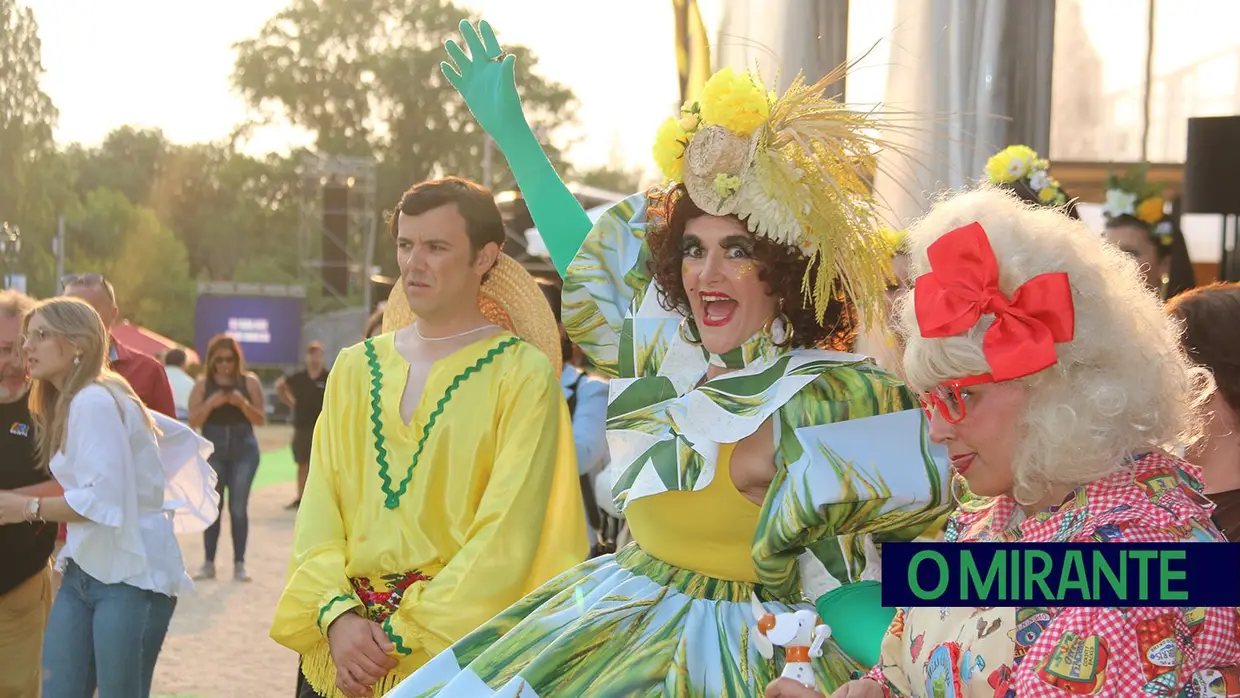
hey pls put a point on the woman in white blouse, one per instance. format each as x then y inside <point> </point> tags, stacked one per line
<point>129,485</point>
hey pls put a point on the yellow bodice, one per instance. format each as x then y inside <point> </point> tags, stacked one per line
<point>709,531</point>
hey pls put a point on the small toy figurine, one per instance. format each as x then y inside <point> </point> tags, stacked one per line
<point>800,634</point>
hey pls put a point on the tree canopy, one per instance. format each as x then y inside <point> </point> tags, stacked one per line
<point>27,119</point>
<point>361,76</point>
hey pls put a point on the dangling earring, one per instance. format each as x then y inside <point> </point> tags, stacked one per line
<point>958,489</point>
<point>688,332</point>
<point>77,359</point>
<point>780,329</point>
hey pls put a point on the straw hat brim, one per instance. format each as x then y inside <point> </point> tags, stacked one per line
<point>510,298</point>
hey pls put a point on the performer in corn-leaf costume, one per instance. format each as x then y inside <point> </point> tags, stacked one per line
<point>752,453</point>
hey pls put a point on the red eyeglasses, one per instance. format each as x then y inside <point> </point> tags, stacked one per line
<point>946,398</point>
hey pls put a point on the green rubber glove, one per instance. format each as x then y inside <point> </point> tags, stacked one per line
<point>857,618</point>
<point>489,87</point>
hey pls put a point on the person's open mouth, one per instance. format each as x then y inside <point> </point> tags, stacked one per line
<point>717,308</point>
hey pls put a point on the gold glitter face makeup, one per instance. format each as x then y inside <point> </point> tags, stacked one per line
<point>744,269</point>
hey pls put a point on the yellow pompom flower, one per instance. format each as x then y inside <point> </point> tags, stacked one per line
<point>734,101</point>
<point>1151,210</point>
<point>1011,164</point>
<point>1047,195</point>
<point>895,238</point>
<point>669,148</point>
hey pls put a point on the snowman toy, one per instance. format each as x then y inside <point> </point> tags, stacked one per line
<point>799,633</point>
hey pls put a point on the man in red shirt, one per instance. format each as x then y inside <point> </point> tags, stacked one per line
<point>145,373</point>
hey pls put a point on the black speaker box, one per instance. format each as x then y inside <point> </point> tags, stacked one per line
<point>335,264</point>
<point>1211,177</point>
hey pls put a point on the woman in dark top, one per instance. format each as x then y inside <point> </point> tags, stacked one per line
<point>1211,317</point>
<point>227,403</point>
<point>1141,222</point>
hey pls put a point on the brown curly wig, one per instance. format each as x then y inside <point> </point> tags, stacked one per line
<point>782,268</point>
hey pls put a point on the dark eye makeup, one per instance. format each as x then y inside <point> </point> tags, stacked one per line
<point>691,246</point>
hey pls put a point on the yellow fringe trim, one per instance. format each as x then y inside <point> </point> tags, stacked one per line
<point>320,672</point>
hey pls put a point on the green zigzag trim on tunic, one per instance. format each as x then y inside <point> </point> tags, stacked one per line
<point>392,500</point>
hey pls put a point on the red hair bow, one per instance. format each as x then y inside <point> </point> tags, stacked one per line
<point>963,285</point>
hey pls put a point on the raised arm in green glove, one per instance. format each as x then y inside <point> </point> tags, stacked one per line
<point>485,79</point>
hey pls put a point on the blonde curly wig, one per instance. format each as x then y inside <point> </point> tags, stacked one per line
<point>1121,387</point>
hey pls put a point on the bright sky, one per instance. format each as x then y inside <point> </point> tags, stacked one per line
<point>167,64</point>
<point>1186,32</point>
<point>155,63</point>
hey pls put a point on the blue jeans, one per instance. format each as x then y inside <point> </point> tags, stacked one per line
<point>104,636</point>
<point>236,463</point>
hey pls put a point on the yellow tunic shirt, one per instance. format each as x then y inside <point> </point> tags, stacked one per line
<point>492,510</point>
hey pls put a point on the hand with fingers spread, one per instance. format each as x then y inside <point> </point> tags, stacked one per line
<point>486,80</point>
<point>359,650</point>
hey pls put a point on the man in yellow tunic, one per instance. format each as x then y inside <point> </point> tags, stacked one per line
<point>443,477</point>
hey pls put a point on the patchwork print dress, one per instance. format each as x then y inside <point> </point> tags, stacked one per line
<point>1044,652</point>
<point>855,467</point>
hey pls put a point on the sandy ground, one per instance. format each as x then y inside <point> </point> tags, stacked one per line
<point>218,646</point>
